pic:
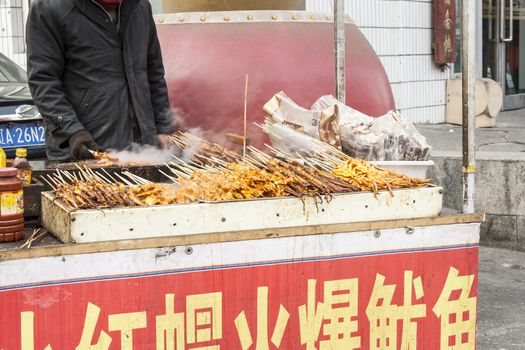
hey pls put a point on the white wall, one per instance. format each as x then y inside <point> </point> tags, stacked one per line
<point>400,31</point>
<point>12,30</point>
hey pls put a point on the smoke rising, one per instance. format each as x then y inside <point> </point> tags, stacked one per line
<point>144,154</point>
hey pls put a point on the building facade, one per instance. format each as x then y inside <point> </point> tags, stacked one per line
<point>13,15</point>
<point>401,32</point>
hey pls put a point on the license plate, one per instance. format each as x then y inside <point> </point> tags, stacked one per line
<point>21,135</point>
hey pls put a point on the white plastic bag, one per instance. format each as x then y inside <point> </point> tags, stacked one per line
<point>389,137</point>
<point>319,124</point>
<point>292,142</point>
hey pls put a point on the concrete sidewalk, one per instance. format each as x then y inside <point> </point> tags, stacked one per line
<point>500,177</point>
<point>508,136</point>
<point>501,300</point>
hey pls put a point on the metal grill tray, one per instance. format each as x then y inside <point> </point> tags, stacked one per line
<point>94,225</point>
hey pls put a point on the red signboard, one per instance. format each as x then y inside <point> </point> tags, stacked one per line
<point>444,31</point>
<point>424,299</point>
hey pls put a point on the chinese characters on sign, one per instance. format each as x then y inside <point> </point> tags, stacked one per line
<point>444,31</point>
<point>328,319</point>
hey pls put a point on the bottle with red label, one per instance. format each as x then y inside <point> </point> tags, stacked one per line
<point>25,171</point>
<point>11,206</point>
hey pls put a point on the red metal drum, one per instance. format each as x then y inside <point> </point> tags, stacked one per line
<point>207,56</point>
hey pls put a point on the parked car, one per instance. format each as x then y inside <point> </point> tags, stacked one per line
<point>20,122</point>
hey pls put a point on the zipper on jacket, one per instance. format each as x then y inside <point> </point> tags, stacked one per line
<point>118,16</point>
<point>107,13</point>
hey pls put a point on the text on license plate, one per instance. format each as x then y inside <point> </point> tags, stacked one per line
<point>21,135</point>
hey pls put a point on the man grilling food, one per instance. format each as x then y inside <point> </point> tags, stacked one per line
<point>96,75</point>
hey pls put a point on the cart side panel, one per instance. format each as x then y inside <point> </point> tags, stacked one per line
<point>82,226</point>
<point>56,217</point>
<point>344,290</point>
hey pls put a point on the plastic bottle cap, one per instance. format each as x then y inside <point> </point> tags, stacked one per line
<point>8,172</point>
<point>21,152</point>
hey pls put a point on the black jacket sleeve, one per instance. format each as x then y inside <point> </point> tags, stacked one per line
<point>45,63</point>
<point>157,83</point>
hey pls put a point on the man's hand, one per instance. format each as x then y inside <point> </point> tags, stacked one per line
<point>80,145</point>
<point>164,141</point>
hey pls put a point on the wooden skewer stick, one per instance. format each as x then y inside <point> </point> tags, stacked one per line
<point>68,175</point>
<point>255,162</point>
<point>109,175</point>
<point>82,174</point>
<point>320,164</point>
<point>106,180</point>
<point>219,161</point>
<point>93,175</point>
<point>47,182</point>
<point>245,116</point>
<point>278,153</point>
<point>183,162</point>
<point>60,175</point>
<point>37,233</point>
<point>260,153</point>
<point>169,177</point>
<point>52,180</point>
<point>58,179</point>
<point>204,157</point>
<point>124,180</point>
<point>180,174</point>
<point>183,170</point>
<point>189,169</point>
<point>137,178</point>
<point>133,182</point>
<point>177,142</point>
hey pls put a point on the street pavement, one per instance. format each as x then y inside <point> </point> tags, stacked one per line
<point>501,300</point>
<point>507,136</point>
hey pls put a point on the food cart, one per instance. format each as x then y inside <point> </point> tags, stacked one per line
<point>359,270</point>
<point>352,270</point>
<point>355,285</point>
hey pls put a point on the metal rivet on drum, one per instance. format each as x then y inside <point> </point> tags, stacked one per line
<point>250,18</point>
<point>410,230</point>
<point>226,18</point>
<point>223,219</point>
<point>188,250</point>
<point>329,18</point>
<point>294,18</point>
<point>274,18</point>
<point>203,19</point>
<point>312,17</point>
<point>161,20</point>
<point>377,234</point>
<point>182,19</point>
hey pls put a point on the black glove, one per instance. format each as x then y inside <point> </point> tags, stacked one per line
<point>80,144</point>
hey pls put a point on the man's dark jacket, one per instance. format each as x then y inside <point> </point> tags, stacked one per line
<point>85,72</point>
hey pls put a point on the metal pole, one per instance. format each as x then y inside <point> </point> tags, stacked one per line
<point>468,67</point>
<point>339,33</point>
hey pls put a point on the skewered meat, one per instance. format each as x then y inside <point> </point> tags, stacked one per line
<point>255,176</point>
<point>203,152</point>
<point>97,195</point>
<point>103,156</point>
<point>369,177</point>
